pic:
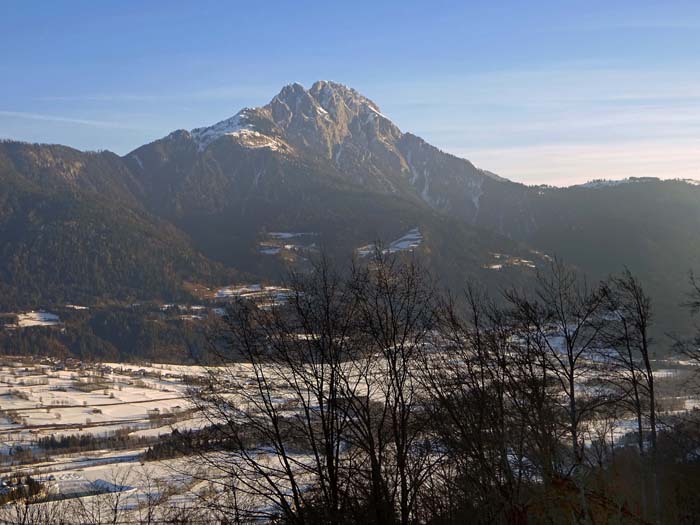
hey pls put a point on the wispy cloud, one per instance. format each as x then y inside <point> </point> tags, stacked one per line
<point>68,120</point>
<point>123,97</point>
<point>235,92</point>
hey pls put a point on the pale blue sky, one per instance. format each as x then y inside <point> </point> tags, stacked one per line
<point>540,92</point>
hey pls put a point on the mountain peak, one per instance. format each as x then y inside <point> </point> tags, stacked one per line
<point>320,118</point>
<point>326,94</point>
<point>293,88</point>
<point>336,124</point>
<point>324,91</point>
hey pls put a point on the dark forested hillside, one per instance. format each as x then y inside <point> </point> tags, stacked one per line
<point>648,225</point>
<point>72,229</point>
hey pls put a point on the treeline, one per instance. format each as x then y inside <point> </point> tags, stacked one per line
<point>72,443</point>
<point>45,447</point>
<point>373,398</point>
<point>181,443</point>
<point>112,333</point>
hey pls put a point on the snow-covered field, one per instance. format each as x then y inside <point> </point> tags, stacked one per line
<point>289,244</point>
<point>39,318</point>
<point>50,398</point>
<point>502,260</point>
<point>263,296</point>
<point>406,243</point>
<point>42,398</point>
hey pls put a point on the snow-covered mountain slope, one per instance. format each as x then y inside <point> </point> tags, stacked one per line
<point>241,129</point>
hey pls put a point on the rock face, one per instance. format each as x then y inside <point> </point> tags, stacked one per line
<point>335,123</point>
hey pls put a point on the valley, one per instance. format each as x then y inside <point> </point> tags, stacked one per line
<point>83,430</point>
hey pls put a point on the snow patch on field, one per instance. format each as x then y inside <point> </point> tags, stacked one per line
<point>289,235</point>
<point>238,291</point>
<point>39,318</point>
<point>502,260</point>
<point>262,296</point>
<point>287,243</point>
<point>407,242</point>
<point>269,250</point>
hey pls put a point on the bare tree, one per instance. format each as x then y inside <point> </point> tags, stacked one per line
<point>107,505</point>
<point>397,314</point>
<point>281,433</point>
<point>326,418</point>
<point>156,494</point>
<point>564,321</point>
<point>628,332</point>
<point>690,347</point>
<point>468,379</point>
<point>24,512</point>
<point>366,398</point>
